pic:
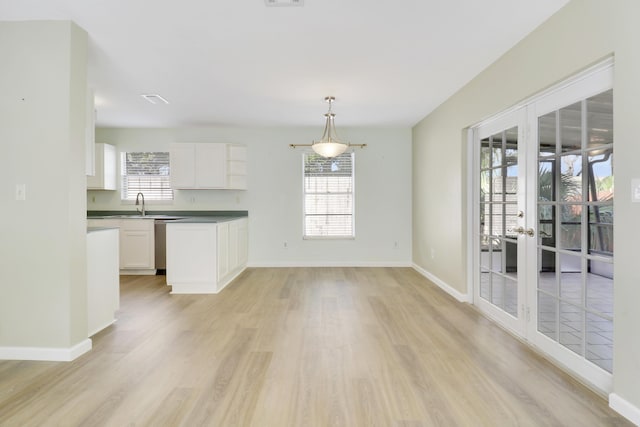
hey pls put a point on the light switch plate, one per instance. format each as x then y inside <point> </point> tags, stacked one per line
<point>21,192</point>
<point>635,190</point>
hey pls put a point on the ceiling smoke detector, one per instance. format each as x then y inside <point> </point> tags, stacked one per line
<point>275,3</point>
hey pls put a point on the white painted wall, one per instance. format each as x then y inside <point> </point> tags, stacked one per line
<point>42,115</point>
<point>582,33</point>
<point>274,195</point>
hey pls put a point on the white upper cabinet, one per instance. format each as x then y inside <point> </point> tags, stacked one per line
<point>208,166</point>
<point>211,165</point>
<point>105,168</point>
<point>182,158</point>
<point>237,167</point>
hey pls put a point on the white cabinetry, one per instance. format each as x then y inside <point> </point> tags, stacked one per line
<point>103,282</point>
<point>222,249</point>
<point>236,167</point>
<point>105,168</point>
<point>202,258</point>
<point>137,243</point>
<point>208,166</point>
<point>232,247</point>
<point>182,165</point>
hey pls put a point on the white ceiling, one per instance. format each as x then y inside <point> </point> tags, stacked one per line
<point>239,62</point>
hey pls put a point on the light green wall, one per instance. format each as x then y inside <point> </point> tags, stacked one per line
<point>43,272</point>
<point>580,34</point>
<point>274,195</point>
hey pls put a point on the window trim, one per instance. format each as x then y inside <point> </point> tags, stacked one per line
<point>352,236</point>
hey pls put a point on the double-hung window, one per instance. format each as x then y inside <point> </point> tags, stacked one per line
<point>146,173</point>
<point>328,196</point>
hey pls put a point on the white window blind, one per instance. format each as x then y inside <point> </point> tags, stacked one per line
<point>328,196</point>
<point>146,173</point>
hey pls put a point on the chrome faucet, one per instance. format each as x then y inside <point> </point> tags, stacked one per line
<point>138,202</point>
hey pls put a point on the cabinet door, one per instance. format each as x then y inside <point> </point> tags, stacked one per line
<point>182,158</point>
<point>233,245</point>
<point>211,165</point>
<point>223,249</point>
<point>191,253</point>
<point>137,249</point>
<point>104,177</point>
<point>243,242</point>
<point>134,250</point>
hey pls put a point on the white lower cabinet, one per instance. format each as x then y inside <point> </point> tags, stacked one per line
<point>103,282</point>
<point>202,258</point>
<point>137,246</point>
<point>137,243</point>
<point>223,250</point>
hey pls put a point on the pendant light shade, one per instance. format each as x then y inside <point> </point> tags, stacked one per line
<point>329,145</point>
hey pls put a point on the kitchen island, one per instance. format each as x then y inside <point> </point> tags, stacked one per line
<point>204,254</point>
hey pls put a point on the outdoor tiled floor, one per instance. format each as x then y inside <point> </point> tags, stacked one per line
<point>572,322</point>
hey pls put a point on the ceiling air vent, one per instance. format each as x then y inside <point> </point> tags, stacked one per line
<point>154,98</point>
<point>275,3</point>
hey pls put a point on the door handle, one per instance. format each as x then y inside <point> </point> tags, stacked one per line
<point>529,232</point>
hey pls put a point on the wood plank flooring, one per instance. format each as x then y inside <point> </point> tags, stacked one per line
<point>299,347</point>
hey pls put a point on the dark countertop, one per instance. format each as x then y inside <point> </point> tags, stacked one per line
<point>176,215</point>
<point>204,219</point>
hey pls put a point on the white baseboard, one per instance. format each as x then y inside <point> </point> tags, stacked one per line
<point>138,272</point>
<point>52,354</point>
<point>293,264</point>
<point>204,288</point>
<point>443,285</point>
<point>624,408</point>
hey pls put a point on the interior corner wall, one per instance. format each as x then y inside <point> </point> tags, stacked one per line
<point>582,33</point>
<point>43,255</point>
<point>274,195</point>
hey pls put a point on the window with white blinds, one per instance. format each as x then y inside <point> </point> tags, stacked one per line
<point>328,196</point>
<point>146,173</point>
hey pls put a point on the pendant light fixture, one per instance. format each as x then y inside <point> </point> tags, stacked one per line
<point>329,145</point>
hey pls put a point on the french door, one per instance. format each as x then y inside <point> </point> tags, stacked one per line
<point>501,249</point>
<point>543,230</point>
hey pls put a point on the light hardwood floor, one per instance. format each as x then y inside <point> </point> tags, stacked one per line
<point>299,347</point>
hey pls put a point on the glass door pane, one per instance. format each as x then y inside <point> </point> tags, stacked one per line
<point>498,208</point>
<point>575,224</point>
